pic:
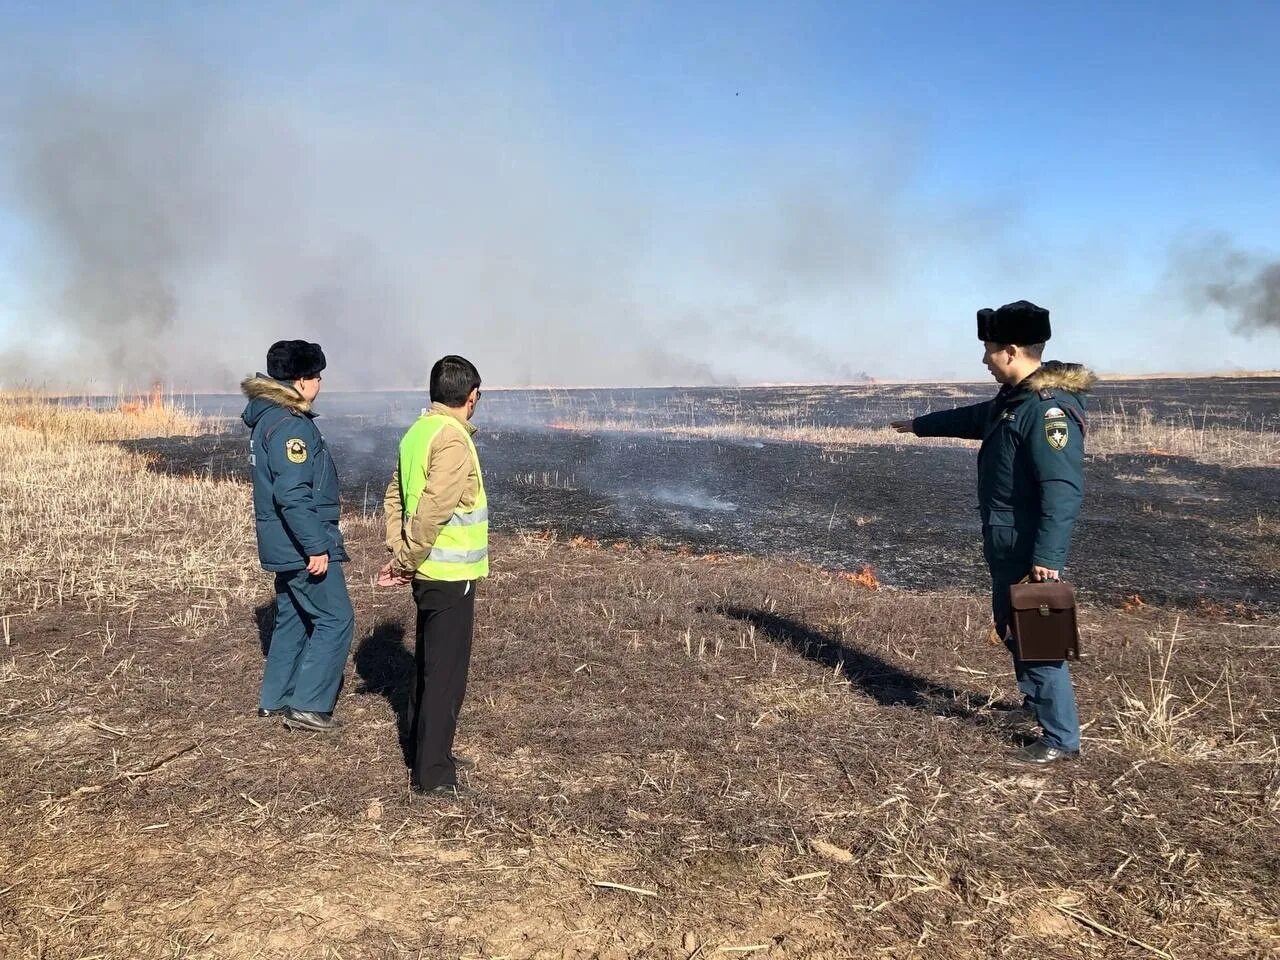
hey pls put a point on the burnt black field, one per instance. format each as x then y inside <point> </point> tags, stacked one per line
<point>1170,529</point>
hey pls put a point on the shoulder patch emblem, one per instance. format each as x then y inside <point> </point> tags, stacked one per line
<point>1054,413</point>
<point>1057,433</point>
<point>296,450</point>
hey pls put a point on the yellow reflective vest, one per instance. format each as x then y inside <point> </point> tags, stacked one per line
<point>461,551</point>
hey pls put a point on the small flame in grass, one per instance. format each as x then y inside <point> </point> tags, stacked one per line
<point>153,402</point>
<point>864,576</point>
<point>993,637</point>
<point>585,543</point>
<point>1133,602</point>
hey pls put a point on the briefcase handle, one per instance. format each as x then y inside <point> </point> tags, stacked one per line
<point>1027,579</point>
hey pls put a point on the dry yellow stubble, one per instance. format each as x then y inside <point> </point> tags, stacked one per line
<point>87,523</point>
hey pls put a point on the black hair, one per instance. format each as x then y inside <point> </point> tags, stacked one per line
<point>452,380</point>
<point>1034,350</point>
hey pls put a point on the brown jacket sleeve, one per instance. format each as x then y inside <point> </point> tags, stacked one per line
<point>448,468</point>
<point>393,511</point>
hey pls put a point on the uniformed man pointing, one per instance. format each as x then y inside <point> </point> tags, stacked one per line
<point>1030,487</point>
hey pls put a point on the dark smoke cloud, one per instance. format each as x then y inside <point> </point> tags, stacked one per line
<point>126,192</point>
<point>1214,272</point>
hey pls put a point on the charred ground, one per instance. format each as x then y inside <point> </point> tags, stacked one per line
<point>678,755</point>
<point>1173,528</point>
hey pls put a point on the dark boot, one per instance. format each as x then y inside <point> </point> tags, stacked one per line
<point>1041,753</point>
<point>310,720</point>
<point>443,791</point>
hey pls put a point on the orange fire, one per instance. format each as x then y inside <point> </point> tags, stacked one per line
<point>1133,602</point>
<point>153,402</point>
<point>864,576</point>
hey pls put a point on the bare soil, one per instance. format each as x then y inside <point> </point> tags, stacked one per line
<point>776,762</point>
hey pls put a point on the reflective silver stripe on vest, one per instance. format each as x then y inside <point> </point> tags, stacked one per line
<point>458,556</point>
<point>468,519</point>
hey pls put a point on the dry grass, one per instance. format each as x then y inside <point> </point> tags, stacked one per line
<point>86,524</point>
<point>793,432</point>
<point>84,421</point>
<point>1248,445</point>
<point>677,757</point>
<point>1110,434</point>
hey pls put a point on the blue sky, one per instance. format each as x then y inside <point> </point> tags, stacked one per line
<point>733,191</point>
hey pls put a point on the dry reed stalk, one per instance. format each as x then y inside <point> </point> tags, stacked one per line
<point>1110,434</point>
<point>85,422</point>
<point>88,523</point>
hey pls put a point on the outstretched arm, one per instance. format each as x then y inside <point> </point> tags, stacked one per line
<point>965,423</point>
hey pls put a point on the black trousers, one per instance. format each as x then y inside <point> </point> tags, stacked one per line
<point>446,615</point>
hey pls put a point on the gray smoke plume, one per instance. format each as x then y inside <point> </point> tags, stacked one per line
<point>182,218</point>
<point>1246,286</point>
<point>126,192</point>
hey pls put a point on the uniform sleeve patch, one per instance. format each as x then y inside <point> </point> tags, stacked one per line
<point>296,450</point>
<point>1055,413</point>
<point>1057,432</point>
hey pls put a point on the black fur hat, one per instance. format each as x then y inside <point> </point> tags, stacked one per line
<point>1020,322</point>
<point>294,360</point>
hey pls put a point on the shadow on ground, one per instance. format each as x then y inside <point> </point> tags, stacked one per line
<point>387,669</point>
<point>887,684</point>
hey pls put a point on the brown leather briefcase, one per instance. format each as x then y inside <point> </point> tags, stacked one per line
<point>1044,621</point>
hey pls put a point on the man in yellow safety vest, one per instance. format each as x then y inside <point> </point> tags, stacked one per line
<point>438,536</point>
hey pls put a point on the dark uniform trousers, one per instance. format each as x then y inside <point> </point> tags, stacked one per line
<point>310,641</point>
<point>446,614</point>
<point>1046,687</point>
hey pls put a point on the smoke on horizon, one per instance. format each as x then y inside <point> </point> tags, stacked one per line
<point>181,220</point>
<point>177,217</point>
<point>1215,272</point>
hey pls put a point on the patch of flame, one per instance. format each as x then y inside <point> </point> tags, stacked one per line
<point>153,402</point>
<point>864,576</point>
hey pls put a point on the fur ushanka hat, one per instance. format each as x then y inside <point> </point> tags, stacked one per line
<point>294,360</point>
<point>1020,322</point>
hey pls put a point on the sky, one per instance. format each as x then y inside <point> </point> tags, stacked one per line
<point>632,193</point>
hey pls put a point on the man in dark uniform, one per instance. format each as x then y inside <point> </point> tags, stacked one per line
<point>295,508</point>
<point>1030,486</point>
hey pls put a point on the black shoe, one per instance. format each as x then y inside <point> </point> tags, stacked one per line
<point>463,763</point>
<point>310,720</point>
<point>443,791</point>
<point>1042,753</point>
<point>263,712</point>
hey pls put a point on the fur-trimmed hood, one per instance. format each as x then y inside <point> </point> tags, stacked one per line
<point>1056,375</point>
<point>262,387</point>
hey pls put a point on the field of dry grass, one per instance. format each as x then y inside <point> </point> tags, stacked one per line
<point>1110,434</point>
<point>677,757</point>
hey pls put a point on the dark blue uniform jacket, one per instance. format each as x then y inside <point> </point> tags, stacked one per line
<point>1031,464</point>
<point>295,484</point>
